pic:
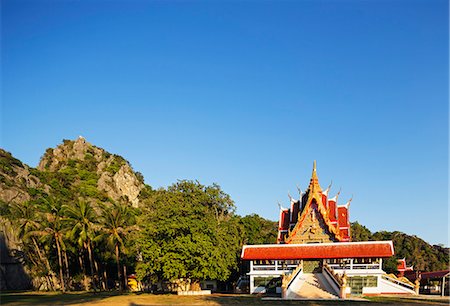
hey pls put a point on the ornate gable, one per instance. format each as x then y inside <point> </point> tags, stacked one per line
<point>314,224</point>
<point>311,228</point>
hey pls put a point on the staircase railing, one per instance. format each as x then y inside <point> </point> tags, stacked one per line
<point>289,278</point>
<point>337,279</point>
<point>393,279</point>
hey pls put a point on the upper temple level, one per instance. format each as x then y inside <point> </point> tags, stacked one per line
<point>314,217</point>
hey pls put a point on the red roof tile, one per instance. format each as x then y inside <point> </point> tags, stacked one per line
<point>318,250</point>
<point>435,274</point>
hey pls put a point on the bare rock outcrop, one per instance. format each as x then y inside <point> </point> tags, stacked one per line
<point>15,179</point>
<point>116,177</point>
<point>55,159</point>
<point>123,183</point>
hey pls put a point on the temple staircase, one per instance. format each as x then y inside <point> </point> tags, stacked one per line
<point>391,284</point>
<point>311,286</point>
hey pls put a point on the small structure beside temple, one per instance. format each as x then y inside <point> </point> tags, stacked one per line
<point>403,269</point>
<point>431,282</point>
<point>314,256</point>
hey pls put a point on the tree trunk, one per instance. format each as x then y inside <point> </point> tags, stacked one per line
<point>80,260</point>
<point>91,264</point>
<point>60,265</point>
<point>125,277</point>
<point>66,261</point>
<point>105,276</point>
<point>44,259</point>
<point>97,272</point>
<point>35,261</point>
<point>119,273</point>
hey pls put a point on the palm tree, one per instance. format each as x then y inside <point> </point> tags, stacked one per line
<point>25,220</point>
<point>82,219</point>
<point>54,228</point>
<point>117,220</point>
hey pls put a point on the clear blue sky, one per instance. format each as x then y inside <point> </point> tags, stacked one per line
<point>246,94</point>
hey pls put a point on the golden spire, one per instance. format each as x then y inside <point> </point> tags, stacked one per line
<point>314,184</point>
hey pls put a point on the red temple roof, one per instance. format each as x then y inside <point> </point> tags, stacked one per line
<point>435,274</point>
<point>401,266</point>
<point>318,250</point>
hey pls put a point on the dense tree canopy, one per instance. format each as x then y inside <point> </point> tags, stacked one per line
<point>259,230</point>
<point>188,231</point>
<point>421,255</point>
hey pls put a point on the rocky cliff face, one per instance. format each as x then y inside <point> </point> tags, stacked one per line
<point>16,179</point>
<point>115,176</point>
<point>108,173</point>
<point>16,182</point>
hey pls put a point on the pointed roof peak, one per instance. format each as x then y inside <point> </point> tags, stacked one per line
<point>314,184</point>
<point>314,171</point>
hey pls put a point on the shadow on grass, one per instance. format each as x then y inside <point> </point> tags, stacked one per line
<point>36,298</point>
<point>408,300</point>
<point>240,299</point>
<point>146,299</point>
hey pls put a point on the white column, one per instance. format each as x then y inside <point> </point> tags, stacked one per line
<point>251,277</point>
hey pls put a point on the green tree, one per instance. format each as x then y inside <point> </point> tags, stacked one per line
<point>258,230</point>
<point>82,220</point>
<point>189,233</point>
<point>390,265</point>
<point>53,228</point>
<point>25,220</point>
<point>360,232</point>
<point>117,221</point>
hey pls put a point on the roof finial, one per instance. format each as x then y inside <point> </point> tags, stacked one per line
<point>314,184</point>
<point>328,189</point>
<point>299,191</point>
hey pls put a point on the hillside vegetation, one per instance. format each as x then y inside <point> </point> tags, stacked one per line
<point>417,252</point>
<point>84,219</point>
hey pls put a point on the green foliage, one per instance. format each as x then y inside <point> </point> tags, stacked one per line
<point>420,254</point>
<point>115,164</point>
<point>390,265</point>
<point>81,220</point>
<point>146,192</point>
<point>47,156</point>
<point>360,232</point>
<point>188,231</point>
<point>8,163</point>
<point>258,230</point>
<point>140,177</point>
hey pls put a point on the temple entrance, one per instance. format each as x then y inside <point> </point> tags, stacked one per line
<point>312,266</point>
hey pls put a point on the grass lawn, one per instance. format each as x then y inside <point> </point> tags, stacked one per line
<point>132,299</point>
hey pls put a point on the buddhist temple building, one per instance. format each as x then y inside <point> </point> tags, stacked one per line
<point>314,256</point>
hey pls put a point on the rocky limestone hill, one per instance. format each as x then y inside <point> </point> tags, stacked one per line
<point>107,172</point>
<point>73,170</point>
<point>16,179</point>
